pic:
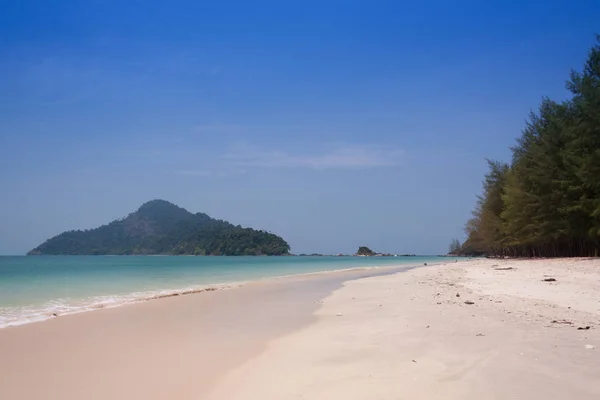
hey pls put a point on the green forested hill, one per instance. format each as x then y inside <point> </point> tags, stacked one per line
<point>546,202</point>
<point>160,227</point>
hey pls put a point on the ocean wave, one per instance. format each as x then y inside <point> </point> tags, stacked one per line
<point>20,315</point>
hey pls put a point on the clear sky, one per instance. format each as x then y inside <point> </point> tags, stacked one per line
<point>332,123</point>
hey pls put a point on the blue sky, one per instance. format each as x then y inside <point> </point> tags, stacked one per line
<point>332,123</point>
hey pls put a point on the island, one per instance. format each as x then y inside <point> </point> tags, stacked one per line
<point>364,251</point>
<point>161,227</point>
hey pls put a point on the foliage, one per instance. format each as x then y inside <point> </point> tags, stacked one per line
<point>546,203</point>
<point>454,247</point>
<point>159,227</point>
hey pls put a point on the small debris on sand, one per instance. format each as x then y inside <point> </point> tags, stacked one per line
<point>583,328</point>
<point>549,280</point>
<point>562,321</point>
<point>468,302</point>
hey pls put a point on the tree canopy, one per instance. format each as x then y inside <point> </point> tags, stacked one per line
<point>160,227</point>
<point>546,202</point>
<point>454,247</point>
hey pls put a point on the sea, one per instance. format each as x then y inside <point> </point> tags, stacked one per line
<point>36,288</point>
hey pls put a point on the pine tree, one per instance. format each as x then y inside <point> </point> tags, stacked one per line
<point>547,202</point>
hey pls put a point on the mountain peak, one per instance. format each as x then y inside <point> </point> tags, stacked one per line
<point>156,203</point>
<point>159,209</point>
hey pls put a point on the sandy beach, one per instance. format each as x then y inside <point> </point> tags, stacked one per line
<point>479,329</point>
<point>174,347</point>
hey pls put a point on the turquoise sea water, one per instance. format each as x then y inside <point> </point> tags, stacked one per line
<point>35,288</point>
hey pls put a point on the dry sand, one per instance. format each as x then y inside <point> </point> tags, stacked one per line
<point>409,336</point>
<point>401,336</point>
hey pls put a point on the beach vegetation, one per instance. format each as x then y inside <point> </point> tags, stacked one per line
<point>546,201</point>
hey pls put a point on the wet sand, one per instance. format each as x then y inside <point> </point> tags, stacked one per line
<point>176,347</point>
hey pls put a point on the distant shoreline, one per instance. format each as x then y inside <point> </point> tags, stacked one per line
<point>222,255</point>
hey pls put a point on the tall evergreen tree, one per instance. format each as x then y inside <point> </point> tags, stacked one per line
<point>485,229</point>
<point>547,202</point>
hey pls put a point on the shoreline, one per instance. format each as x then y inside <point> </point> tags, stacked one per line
<point>467,330</point>
<point>95,303</point>
<point>173,348</point>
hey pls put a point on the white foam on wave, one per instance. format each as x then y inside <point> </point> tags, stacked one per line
<point>21,315</point>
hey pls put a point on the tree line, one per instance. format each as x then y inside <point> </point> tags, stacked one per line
<point>546,201</point>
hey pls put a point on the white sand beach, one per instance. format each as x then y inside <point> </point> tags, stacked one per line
<point>479,329</point>
<point>409,336</point>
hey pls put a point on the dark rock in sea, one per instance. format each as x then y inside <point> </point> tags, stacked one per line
<point>365,251</point>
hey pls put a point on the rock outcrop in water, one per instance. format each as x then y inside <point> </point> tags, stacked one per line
<point>365,251</point>
<point>160,227</point>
